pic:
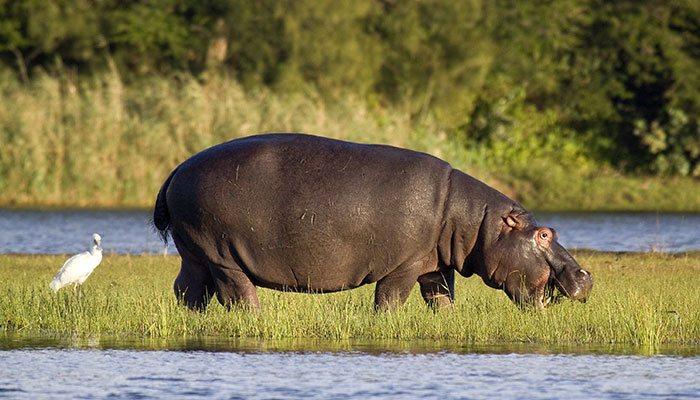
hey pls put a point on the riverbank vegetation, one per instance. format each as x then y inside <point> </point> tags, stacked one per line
<point>645,300</point>
<point>100,143</point>
<point>572,105</point>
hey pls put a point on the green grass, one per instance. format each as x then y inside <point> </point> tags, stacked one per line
<point>646,300</point>
<point>98,142</point>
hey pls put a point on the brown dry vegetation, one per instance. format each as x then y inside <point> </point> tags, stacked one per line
<point>97,142</point>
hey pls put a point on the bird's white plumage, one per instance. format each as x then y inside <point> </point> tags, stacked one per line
<point>79,267</point>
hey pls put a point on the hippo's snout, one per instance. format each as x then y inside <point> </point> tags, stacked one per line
<point>583,284</point>
<point>568,277</point>
<point>575,283</point>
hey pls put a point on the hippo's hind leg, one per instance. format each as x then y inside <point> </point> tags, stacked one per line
<point>194,285</point>
<point>233,286</point>
<point>438,288</point>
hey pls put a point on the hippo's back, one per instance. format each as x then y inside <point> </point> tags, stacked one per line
<point>301,211</point>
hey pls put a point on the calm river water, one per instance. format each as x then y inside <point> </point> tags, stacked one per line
<point>129,232</point>
<point>115,374</point>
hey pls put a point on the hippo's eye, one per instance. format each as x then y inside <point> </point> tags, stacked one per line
<point>544,237</point>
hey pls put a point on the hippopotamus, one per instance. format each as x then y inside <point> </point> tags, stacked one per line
<point>305,213</point>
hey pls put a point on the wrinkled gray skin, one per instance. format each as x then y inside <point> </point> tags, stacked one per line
<point>311,214</point>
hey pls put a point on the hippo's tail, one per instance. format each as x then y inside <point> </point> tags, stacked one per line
<point>161,215</point>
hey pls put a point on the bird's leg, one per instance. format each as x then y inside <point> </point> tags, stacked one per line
<point>77,291</point>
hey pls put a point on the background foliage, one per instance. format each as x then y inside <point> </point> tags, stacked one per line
<point>538,89</point>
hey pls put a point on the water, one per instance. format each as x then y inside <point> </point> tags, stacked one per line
<point>244,374</point>
<point>128,231</point>
<point>55,232</point>
<point>669,232</point>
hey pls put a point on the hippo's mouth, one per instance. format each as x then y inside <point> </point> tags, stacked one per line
<point>552,292</point>
<point>551,295</point>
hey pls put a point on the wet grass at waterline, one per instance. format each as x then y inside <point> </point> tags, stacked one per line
<point>647,300</point>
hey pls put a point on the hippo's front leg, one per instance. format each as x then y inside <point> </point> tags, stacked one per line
<point>438,288</point>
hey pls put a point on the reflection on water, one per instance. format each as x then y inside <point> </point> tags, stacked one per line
<point>10,341</point>
<point>358,371</point>
<point>51,232</point>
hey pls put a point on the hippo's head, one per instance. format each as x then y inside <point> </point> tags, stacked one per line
<point>528,263</point>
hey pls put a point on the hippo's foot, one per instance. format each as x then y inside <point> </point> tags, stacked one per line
<point>439,302</point>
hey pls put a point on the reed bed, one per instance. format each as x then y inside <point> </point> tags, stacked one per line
<point>99,142</point>
<point>645,300</point>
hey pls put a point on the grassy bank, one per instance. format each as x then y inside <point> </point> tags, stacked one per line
<point>642,300</point>
<point>98,142</point>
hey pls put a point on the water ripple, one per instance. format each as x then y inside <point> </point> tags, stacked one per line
<point>118,374</point>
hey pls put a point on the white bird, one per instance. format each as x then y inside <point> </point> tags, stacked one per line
<point>77,268</point>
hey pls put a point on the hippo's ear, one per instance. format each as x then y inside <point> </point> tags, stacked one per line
<point>516,220</point>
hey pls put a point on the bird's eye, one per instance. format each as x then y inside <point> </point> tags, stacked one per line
<point>544,235</point>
